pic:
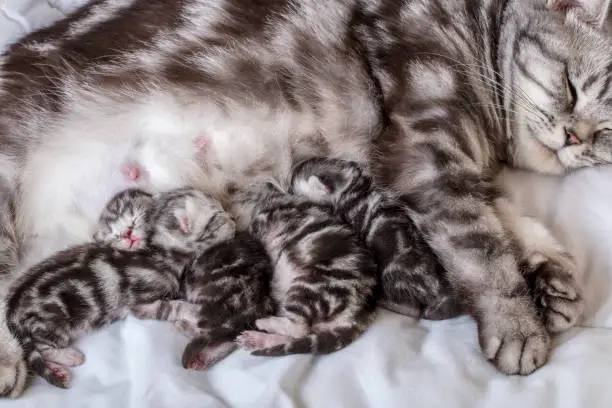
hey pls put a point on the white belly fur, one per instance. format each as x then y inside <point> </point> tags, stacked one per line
<point>70,176</point>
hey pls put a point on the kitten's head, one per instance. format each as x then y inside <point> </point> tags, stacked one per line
<point>125,221</point>
<point>188,220</point>
<point>561,73</point>
<point>329,181</point>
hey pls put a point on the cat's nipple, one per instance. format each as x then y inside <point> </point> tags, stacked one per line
<point>132,171</point>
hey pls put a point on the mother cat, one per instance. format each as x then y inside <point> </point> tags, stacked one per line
<point>434,94</point>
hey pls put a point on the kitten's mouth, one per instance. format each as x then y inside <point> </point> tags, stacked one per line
<point>129,236</point>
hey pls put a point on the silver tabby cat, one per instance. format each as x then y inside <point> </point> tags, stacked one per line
<point>411,278</point>
<point>324,278</point>
<point>433,96</point>
<point>89,286</point>
<point>223,292</point>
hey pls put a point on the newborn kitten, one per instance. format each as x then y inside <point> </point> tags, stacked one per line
<point>324,278</point>
<point>225,291</point>
<point>89,286</point>
<point>125,220</point>
<point>412,280</point>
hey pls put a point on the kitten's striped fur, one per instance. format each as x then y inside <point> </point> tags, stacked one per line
<point>324,277</point>
<point>412,280</point>
<point>88,287</point>
<point>223,292</point>
<point>433,96</point>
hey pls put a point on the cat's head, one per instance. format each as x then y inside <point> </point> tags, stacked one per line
<point>560,102</point>
<point>125,221</point>
<point>329,181</point>
<point>188,220</point>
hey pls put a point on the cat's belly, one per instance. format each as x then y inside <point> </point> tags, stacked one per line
<point>75,171</point>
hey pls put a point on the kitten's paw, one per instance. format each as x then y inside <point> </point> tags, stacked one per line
<point>188,329</point>
<point>208,356</point>
<point>146,310</point>
<point>253,340</point>
<point>281,325</point>
<point>513,337</point>
<point>13,376</point>
<point>558,295</point>
<point>58,375</point>
<point>69,356</point>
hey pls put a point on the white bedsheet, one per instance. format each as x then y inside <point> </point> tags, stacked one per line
<point>397,363</point>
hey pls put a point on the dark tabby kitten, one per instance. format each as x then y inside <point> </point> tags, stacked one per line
<point>89,286</point>
<point>324,278</point>
<point>412,279</point>
<point>224,291</point>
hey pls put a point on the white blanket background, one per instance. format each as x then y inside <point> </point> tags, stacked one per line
<point>397,363</point>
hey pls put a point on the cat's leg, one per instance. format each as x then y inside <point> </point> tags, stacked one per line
<point>13,371</point>
<point>292,326</point>
<point>550,270</point>
<point>453,205</point>
<point>169,310</point>
<point>68,356</point>
<point>256,340</point>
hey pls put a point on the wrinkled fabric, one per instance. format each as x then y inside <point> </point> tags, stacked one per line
<point>397,363</point>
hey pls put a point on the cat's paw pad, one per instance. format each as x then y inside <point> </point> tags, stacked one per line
<point>558,295</point>
<point>13,377</point>
<point>514,339</point>
<point>58,375</point>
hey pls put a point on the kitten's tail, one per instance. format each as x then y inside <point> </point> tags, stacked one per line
<point>319,342</point>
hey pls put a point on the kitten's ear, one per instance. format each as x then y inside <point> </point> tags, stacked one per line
<point>183,221</point>
<point>592,12</point>
<point>321,184</point>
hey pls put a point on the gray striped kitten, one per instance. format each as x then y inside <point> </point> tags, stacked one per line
<point>89,286</point>
<point>412,279</point>
<point>324,278</point>
<point>224,291</point>
<point>126,220</point>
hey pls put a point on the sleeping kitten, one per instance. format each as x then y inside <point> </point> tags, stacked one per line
<point>412,278</point>
<point>89,286</point>
<point>124,221</point>
<point>225,291</point>
<point>324,278</point>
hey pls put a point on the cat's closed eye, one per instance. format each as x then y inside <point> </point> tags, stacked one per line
<point>572,94</point>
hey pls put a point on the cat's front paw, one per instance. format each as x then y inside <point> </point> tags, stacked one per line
<point>512,336</point>
<point>558,295</point>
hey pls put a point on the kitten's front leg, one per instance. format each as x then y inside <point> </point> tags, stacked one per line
<point>68,356</point>
<point>453,205</point>
<point>170,310</point>
<point>550,270</point>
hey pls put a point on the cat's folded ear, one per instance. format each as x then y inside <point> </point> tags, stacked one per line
<point>592,12</point>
